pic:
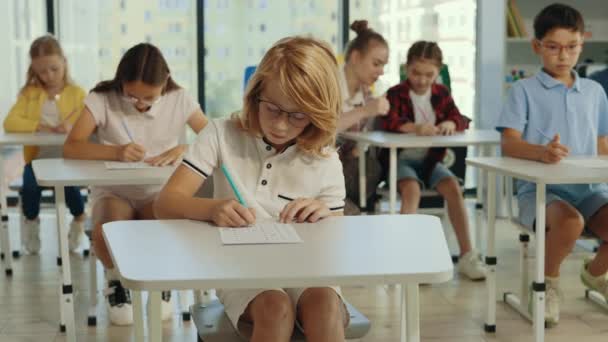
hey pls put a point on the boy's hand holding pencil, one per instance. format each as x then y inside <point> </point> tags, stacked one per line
<point>230,212</point>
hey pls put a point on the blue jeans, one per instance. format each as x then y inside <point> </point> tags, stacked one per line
<point>31,194</point>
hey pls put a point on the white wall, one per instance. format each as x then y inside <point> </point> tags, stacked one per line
<point>491,35</point>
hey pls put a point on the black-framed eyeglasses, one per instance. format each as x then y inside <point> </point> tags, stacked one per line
<point>296,119</point>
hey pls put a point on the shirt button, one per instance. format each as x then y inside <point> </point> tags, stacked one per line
<point>264,182</point>
<point>268,148</point>
<point>268,166</point>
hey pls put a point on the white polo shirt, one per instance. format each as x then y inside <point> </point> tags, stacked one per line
<point>267,181</point>
<point>157,130</point>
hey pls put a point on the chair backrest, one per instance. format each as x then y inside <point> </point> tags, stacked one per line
<point>249,71</point>
<point>443,78</point>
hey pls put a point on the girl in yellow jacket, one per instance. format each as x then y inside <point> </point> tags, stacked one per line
<point>48,102</point>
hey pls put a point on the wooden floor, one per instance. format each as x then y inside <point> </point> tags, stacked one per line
<point>449,312</point>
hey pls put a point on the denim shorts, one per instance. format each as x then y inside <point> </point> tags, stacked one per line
<point>587,204</point>
<point>412,169</point>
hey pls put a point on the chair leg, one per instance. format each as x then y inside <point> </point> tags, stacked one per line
<point>92,317</point>
<point>520,304</point>
<point>184,304</point>
<point>524,255</point>
<point>448,230</point>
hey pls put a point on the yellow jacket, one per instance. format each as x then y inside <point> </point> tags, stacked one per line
<point>25,114</point>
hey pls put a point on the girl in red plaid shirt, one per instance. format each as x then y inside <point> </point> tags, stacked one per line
<point>421,106</point>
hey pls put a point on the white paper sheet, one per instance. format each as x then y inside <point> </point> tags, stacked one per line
<point>262,232</point>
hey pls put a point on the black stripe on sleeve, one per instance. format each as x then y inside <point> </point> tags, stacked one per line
<point>194,168</point>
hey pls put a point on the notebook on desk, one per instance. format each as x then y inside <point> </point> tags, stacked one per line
<point>262,232</point>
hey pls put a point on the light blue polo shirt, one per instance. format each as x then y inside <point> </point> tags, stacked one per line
<point>579,114</point>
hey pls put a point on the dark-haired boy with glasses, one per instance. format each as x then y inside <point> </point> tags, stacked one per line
<point>546,118</point>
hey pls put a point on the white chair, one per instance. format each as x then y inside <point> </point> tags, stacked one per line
<point>213,325</point>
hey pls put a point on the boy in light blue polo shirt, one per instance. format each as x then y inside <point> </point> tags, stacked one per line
<point>550,116</point>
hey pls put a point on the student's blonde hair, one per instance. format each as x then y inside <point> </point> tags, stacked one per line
<point>44,46</point>
<point>307,72</point>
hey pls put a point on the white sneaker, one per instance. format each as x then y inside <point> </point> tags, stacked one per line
<point>471,266</point>
<point>118,300</point>
<point>598,284</point>
<point>166,306</point>
<point>77,239</point>
<point>553,297</point>
<point>30,235</point>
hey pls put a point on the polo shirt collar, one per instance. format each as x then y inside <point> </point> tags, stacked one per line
<point>266,147</point>
<point>549,82</point>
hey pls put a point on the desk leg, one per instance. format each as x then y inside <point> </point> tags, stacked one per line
<point>484,151</point>
<point>538,287</point>
<point>392,181</point>
<point>404,317</point>
<point>362,176</point>
<point>155,327</point>
<point>138,315</point>
<point>412,312</point>
<point>67,297</point>
<point>5,239</point>
<point>490,324</point>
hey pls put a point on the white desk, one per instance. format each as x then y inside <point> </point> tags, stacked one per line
<point>541,174</point>
<point>17,139</point>
<point>60,173</point>
<point>393,141</point>
<point>349,250</point>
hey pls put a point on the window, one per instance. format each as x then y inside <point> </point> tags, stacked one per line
<point>440,21</point>
<point>250,29</point>
<point>27,21</point>
<point>94,49</point>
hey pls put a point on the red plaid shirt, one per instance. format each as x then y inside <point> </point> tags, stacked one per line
<point>402,112</point>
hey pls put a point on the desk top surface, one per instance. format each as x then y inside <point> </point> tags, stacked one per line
<point>70,172</point>
<point>568,171</point>
<point>402,140</point>
<point>38,139</point>
<point>348,250</point>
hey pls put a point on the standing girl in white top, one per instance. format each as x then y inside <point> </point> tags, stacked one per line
<point>137,116</point>
<point>280,153</point>
<point>365,58</point>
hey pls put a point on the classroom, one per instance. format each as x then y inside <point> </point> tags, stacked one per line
<point>318,170</point>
